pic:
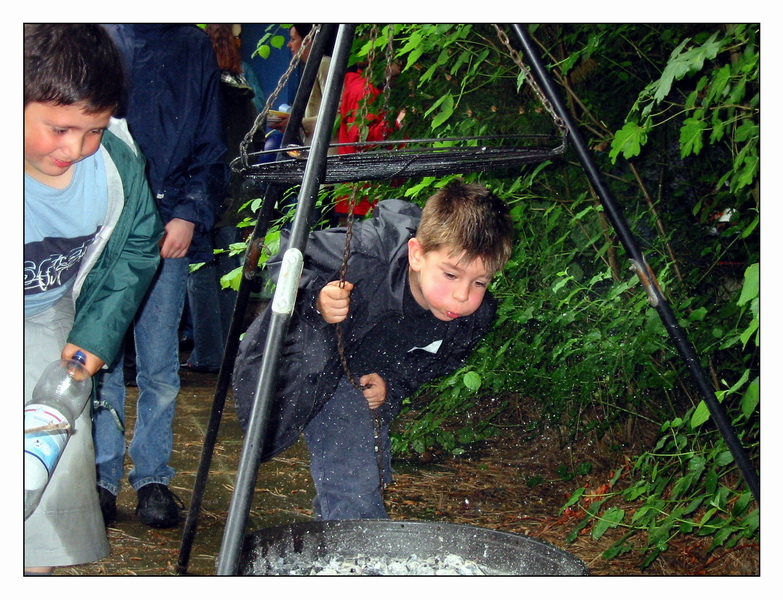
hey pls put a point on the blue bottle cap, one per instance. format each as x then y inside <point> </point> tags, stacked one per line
<point>80,357</point>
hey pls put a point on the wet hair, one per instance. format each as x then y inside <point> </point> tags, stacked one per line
<point>67,64</point>
<point>470,221</point>
<point>229,58</point>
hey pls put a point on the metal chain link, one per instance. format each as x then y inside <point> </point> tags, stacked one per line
<point>282,82</point>
<point>389,63</point>
<point>359,120</point>
<point>559,122</point>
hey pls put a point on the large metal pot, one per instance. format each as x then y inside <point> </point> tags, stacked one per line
<point>498,552</point>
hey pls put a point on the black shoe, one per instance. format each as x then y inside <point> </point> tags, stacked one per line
<point>158,506</point>
<point>130,376</point>
<point>185,343</point>
<point>108,502</point>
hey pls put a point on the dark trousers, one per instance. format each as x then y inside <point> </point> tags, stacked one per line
<point>343,459</point>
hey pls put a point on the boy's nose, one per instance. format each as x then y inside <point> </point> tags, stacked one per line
<point>72,148</point>
<point>461,293</point>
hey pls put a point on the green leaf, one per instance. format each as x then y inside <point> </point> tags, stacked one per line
<point>472,380</point>
<point>611,518</point>
<point>750,400</point>
<point>751,227</point>
<point>560,284</point>
<point>696,465</point>
<point>749,331</point>
<point>700,415</point>
<point>575,497</point>
<point>747,174</point>
<point>685,63</point>
<point>724,458</point>
<point>718,85</point>
<point>615,549</point>
<point>747,130</point>
<point>750,287</point>
<point>742,503</point>
<point>692,136</point>
<point>629,140</point>
<point>674,69</point>
<point>446,105</point>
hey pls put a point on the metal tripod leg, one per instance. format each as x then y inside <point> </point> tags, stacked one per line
<point>273,194</point>
<point>282,307</point>
<point>676,333</point>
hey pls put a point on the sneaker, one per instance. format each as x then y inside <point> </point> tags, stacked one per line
<point>158,506</point>
<point>108,502</point>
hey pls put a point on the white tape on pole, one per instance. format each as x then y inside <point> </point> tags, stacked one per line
<point>288,282</point>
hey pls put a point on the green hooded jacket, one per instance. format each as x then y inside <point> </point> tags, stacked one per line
<point>122,260</point>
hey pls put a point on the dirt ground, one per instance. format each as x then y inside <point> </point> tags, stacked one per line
<point>488,489</point>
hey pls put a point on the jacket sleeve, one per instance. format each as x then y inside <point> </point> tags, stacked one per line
<point>322,262</point>
<point>116,285</point>
<point>208,172</point>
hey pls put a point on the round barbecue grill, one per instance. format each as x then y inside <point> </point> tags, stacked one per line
<point>312,542</point>
<point>393,159</point>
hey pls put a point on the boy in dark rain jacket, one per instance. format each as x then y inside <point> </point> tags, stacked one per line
<point>413,307</point>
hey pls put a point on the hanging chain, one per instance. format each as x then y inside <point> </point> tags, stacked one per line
<point>389,63</point>
<point>282,82</point>
<point>559,122</point>
<point>360,121</point>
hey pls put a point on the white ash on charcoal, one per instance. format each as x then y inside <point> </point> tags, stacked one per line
<point>451,564</point>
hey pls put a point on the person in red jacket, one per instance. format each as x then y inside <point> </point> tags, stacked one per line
<point>355,89</point>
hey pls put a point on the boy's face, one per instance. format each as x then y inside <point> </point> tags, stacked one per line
<point>442,284</point>
<point>58,136</point>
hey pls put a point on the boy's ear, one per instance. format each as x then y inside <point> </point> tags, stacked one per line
<point>415,254</point>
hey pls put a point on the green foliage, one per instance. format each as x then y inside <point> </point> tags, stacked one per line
<point>671,113</point>
<point>272,38</point>
<point>724,100</point>
<point>575,332</point>
<point>682,486</point>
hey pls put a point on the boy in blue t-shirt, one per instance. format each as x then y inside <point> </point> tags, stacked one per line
<point>90,252</point>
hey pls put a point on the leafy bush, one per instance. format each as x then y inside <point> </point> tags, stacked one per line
<point>575,331</point>
<point>671,113</point>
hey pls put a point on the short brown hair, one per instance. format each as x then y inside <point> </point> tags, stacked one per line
<point>470,220</point>
<point>67,64</point>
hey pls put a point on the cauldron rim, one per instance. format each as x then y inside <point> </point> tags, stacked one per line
<point>509,553</point>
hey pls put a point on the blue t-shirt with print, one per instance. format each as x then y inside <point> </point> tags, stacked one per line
<point>59,225</point>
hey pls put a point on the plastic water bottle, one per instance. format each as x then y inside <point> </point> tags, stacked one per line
<point>58,399</point>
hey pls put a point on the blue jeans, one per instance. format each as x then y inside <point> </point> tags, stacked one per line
<point>211,306</point>
<point>157,365</point>
<point>343,461</point>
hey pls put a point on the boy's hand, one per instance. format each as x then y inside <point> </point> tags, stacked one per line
<point>92,363</point>
<point>177,236</point>
<point>375,394</point>
<point>334,301</point>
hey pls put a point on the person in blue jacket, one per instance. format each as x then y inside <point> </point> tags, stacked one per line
<point>173,111</point>
<point>413,306</point>
<point>91,232</point>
